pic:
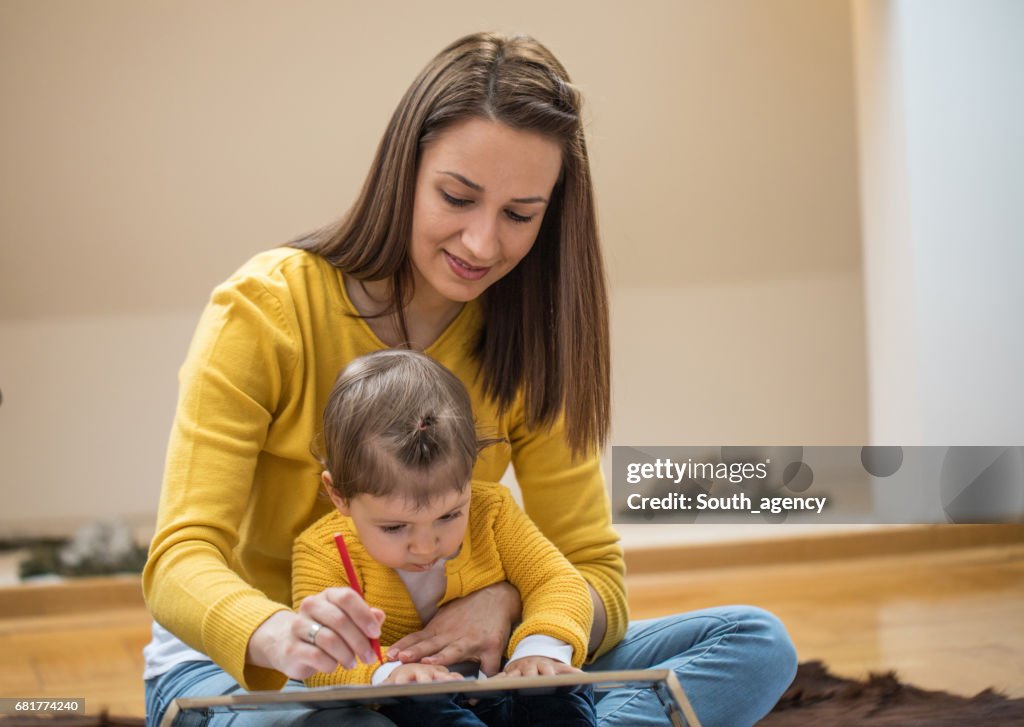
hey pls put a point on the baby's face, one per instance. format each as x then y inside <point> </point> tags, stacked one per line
<point>399,536</point>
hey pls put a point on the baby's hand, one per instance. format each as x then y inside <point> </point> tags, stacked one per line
<point>531,666</point>
<point>420,673</point>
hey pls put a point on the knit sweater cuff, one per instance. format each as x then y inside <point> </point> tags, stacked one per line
<point>361,674</point>
<point>556,626</point>
<point>616,611</point>
<point>227,628</point>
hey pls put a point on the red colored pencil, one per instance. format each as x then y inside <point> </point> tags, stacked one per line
<point>353,582</point>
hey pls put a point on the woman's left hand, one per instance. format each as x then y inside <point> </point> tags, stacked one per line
<point>475,627</point>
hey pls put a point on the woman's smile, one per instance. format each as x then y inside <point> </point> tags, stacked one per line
<point>463,269</point>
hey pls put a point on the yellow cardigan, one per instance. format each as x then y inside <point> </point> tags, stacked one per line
<point>501,544</point>
<point>240,483</point>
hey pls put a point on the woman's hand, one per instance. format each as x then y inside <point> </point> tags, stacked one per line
<point>475,627</point>
<point>532,666</point>
<point>419,673</point>
<point>347,624</point>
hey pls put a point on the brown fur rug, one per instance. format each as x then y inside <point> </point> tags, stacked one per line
<point>819,698</point>
<point>815,698</point>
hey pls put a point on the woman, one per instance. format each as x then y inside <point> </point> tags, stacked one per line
<point>473,239</point>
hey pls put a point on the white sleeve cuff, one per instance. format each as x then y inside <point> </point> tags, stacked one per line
<point>541,645</point>
<point>384,671</point>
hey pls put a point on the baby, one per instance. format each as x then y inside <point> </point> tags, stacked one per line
<point>399,447</point>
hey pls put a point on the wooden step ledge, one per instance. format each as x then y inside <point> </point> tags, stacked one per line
<point>898,540</point>
<point>71,596</point>
<point>117,592</point>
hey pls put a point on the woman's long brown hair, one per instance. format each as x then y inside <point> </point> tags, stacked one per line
<point>545,330</point>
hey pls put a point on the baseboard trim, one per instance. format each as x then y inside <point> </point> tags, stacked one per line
<point>872,543</point>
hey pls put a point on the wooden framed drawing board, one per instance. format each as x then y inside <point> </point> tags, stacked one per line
<point>662,682</point>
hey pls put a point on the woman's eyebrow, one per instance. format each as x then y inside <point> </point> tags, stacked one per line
<point>479,188</point>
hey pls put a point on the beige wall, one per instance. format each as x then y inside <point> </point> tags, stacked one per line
<point>149,148</point>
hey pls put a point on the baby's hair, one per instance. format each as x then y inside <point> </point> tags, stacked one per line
<point>398,422</point>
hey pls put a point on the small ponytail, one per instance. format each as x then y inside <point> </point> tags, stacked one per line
<point>425,443</point>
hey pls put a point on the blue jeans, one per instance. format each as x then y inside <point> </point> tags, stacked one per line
<point>563,708</point>
<point>206,679</point>
<point>733,662</point>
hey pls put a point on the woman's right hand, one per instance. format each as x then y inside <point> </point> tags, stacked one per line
<point>347,624</point>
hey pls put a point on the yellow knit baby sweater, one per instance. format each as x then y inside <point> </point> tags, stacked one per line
<point>500,544</point>
<point>240,483</point>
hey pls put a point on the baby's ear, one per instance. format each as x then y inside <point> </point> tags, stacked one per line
<point>336,498</point>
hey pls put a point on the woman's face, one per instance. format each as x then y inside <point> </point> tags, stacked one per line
<point>481,192</point>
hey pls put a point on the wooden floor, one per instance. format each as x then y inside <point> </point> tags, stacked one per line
<point>95,655</point>
<point>950,620</point>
